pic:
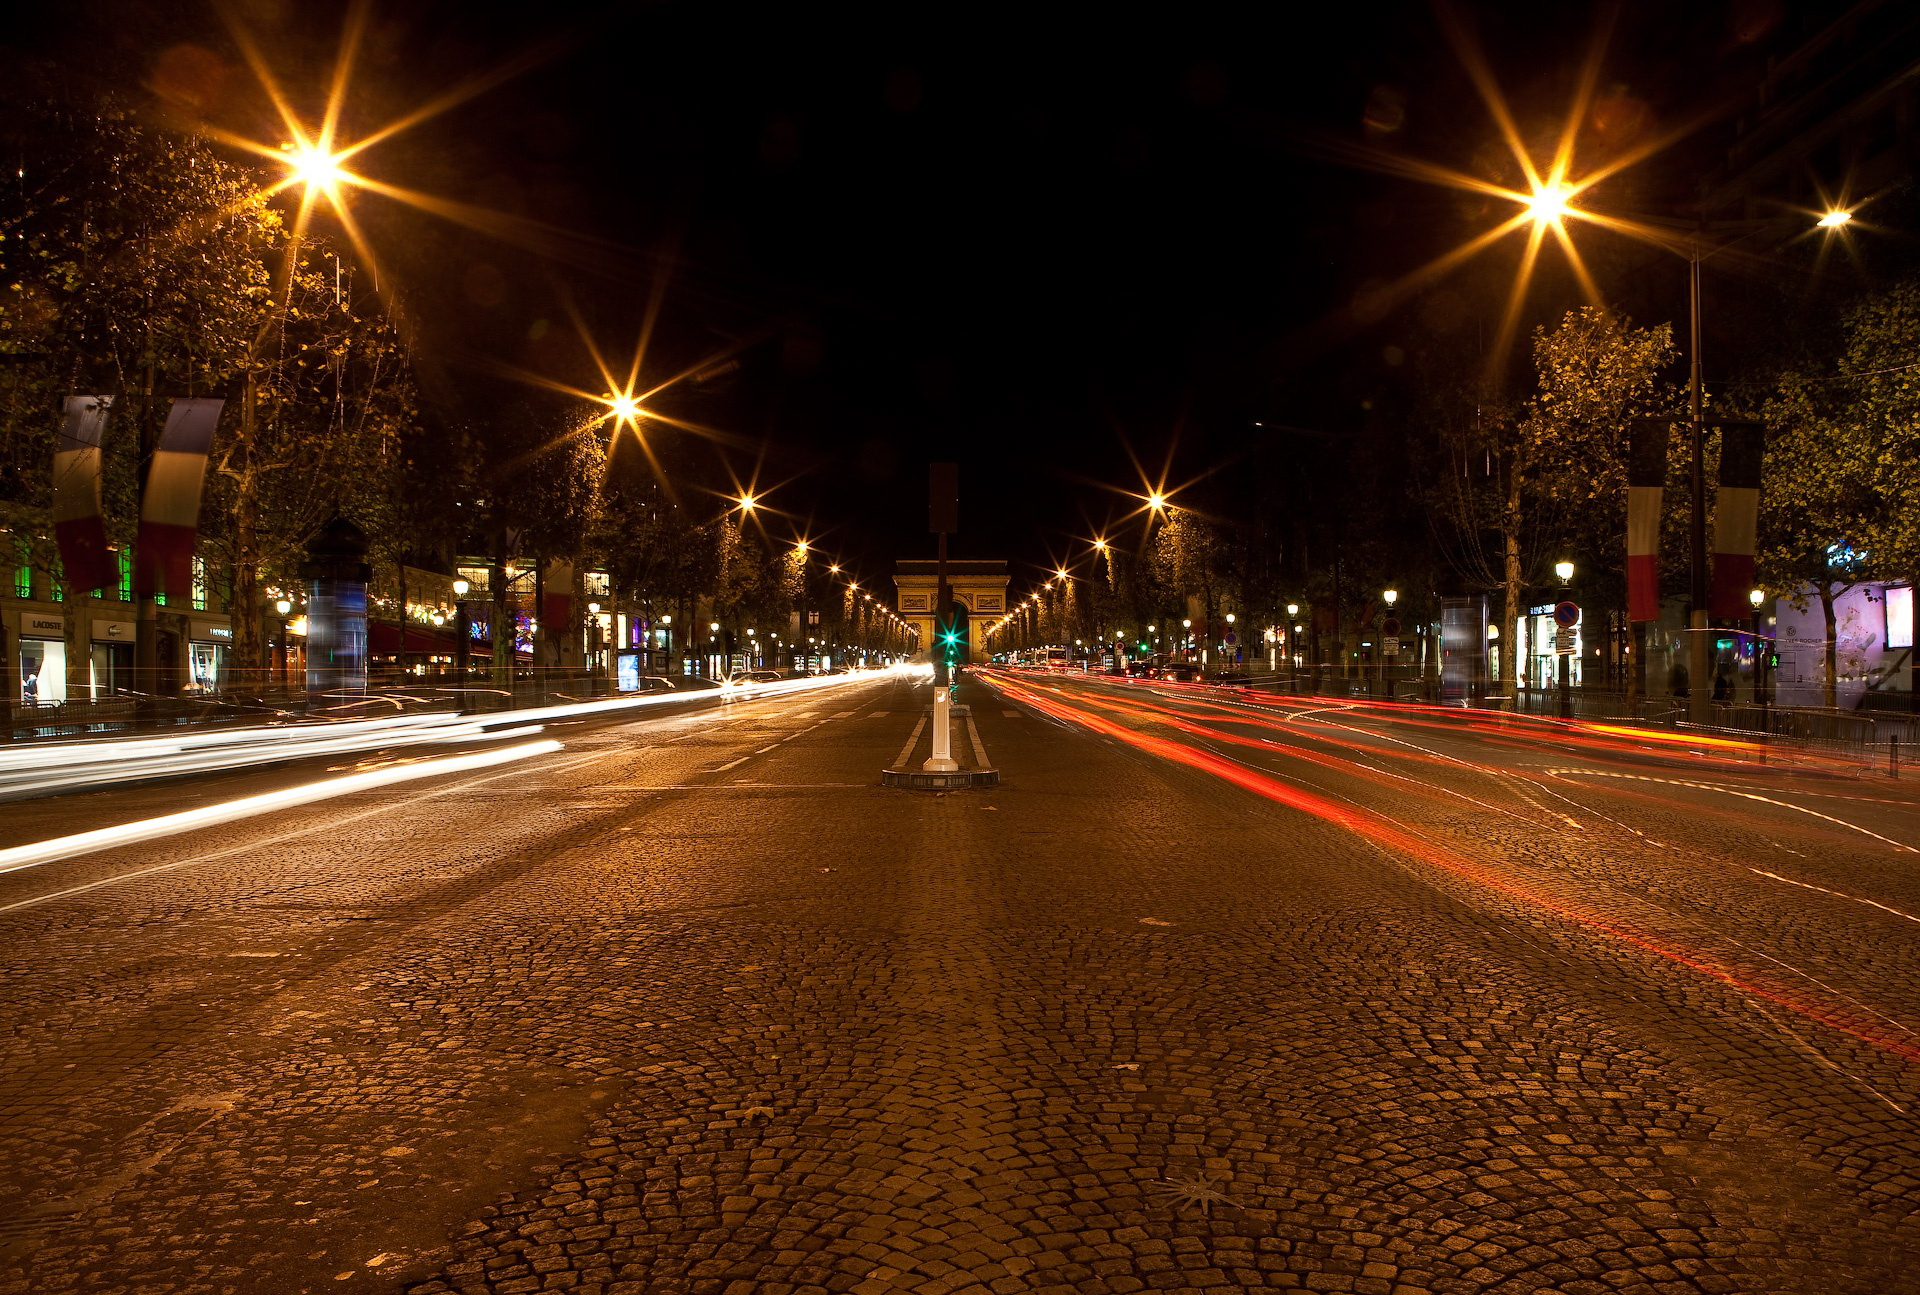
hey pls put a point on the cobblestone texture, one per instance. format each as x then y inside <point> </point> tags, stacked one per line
<point>648,1024</point>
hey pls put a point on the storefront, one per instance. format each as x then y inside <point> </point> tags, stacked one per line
<point>111,657</point>
<point>208,645</point>
<point>1539,663</point>
<point>42,653</point>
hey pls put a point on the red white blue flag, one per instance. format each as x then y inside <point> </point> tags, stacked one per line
<point>77,524</point>
<point>170,508</point>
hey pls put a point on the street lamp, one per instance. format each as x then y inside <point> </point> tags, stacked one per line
<point>283,607</point>
<point>462,626</point>
<point>1834,220</point>
<point>1565,571</point>
<point>1757,599</point>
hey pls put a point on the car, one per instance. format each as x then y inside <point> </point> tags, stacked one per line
<point>1232,679</point>
<point>1178,672</point>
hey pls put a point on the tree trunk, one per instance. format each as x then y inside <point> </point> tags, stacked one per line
<point>243,609</point>
<point>1833,647</point>
<point>1513,584</point>
<point>78,605</point>
<point>400,654</point>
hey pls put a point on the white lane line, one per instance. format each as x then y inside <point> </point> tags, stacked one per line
<point>763,750</point>
<point>979,747</point>
<point>1837,894</point>
<point>723,768</point>
<point>1746,795</point>
<point>845,714</point>
<point>66,847</point>
<point>879,714</point>
<point>906,752</point>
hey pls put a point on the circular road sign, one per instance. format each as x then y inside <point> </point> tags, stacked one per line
<point>1390,626</point>
<point>1567,614</point>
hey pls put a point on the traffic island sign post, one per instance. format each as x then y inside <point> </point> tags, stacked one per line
<point>1566,615</point>
<point>940,771</point>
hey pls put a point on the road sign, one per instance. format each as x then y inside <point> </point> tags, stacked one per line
<point>1566,614</point>
<point>1390,646</point>
<point>1563,642</point>
<point>1390,626</point>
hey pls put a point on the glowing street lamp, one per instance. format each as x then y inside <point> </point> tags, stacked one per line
<point>1156,501</point>
<point>1564,570</point>
<point>748,503</point>
<point>1834,219</point>
<point>1548,205</point>
<point>314,167</point>
<point>1392,596</point>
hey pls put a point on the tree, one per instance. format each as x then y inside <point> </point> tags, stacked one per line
<point>1840,480</point>
<point>1550,473</point>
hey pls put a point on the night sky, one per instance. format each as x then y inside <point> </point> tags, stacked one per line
<point>1027,238</point>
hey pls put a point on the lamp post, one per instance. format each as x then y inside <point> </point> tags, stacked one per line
<point>1565,571</point>
<point>1757,599</point>
<point>283,607</point>
<point>462,627</point>
<point>713,645</point>
<point>1389,640</point>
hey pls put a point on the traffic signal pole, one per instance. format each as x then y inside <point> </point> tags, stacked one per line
<point>943,499</point>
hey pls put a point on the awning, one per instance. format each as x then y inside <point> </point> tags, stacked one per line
<point>384,637</point>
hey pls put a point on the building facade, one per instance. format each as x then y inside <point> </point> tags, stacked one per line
<point>980,586</point>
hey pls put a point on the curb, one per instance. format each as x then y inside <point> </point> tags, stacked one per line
<point>921,780</point>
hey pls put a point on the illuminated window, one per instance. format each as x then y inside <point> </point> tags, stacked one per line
<point>199,584</point>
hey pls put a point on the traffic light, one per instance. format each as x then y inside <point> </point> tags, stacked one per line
<point>955,635</point>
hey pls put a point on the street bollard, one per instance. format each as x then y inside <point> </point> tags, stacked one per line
<point>941,761</point>
<point>1893,755</point>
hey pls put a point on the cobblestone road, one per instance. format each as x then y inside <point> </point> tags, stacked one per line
<point>1204,996</point>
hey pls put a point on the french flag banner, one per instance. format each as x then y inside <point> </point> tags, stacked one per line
<point>1736,518</point>
<point>170,508</point>
<point>1646,479</point>
<point>556,612</point>
<point>78,527</point>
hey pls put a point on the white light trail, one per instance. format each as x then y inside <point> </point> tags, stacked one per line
<point>107,838</point>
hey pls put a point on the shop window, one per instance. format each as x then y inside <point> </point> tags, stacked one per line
<point>199,584</point>
<point>43,670</point>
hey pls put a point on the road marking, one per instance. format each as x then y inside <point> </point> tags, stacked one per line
<point>762,751</point>
<point>845,714</point>
<point>979,747</point>
<point>1837,894</point>
<point>1747,795</point>
<point>723,768</point>
<point>906,752</point>
<point>1011,714</point>
<point>879,714</point>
